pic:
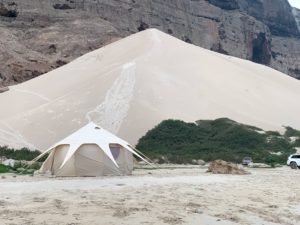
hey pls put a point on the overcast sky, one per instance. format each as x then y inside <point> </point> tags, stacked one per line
<point>295,3</point>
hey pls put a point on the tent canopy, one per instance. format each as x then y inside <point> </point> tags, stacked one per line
<point>91,134</point>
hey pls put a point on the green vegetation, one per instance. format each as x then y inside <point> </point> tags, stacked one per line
<point>25,168</point>
<point>19,154</point>
<point>291,132</point>
<point>20,168</point>
<point>297,143</point>
<point>4,169</point>
<point>180,142</point>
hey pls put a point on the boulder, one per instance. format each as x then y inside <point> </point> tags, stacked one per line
<point>21,170</point>
<point>199,162</point>
<point>30,171</point>
<point>3,89</point>
<point>9,162</point>
<point>6,11</point>
<point>223,167</point>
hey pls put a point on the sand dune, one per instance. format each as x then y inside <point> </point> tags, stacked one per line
<point>133,84</point>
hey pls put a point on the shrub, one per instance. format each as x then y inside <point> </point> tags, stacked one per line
<point>4,169</point>
<point>291,132</point>
<point>35,166</point>
<point>20,154</point>
<point>225,139</point>
<point>297,143</point>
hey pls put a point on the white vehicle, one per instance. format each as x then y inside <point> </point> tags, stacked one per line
<point>294,161</point>
<point>247,161</point>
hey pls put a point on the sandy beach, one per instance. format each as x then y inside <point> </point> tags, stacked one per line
<point>176,195</point>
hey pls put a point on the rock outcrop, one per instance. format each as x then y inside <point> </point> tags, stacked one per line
<point>40,35</point>
<point>3,89</point>
<point>296,13</point>
<point>8,11</point>
<point>223,167</point>
<point>225,4</point>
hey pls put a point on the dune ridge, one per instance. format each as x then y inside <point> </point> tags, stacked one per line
<point>133,84</point>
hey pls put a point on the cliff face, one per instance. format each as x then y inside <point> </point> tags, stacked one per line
<point>296,13</point>
<point>40,35</point>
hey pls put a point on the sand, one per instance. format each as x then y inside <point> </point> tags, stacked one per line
<point>133,84</point>
<point>184,195</point>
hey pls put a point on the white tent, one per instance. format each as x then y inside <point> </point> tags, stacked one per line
<point>90,151</point>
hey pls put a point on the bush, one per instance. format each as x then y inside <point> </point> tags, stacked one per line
<point>4,169</point>
<point>19,165</point>
<point>297,143</point>
<point>25,168</point>
<point>35,166</point>
<point>291,132</point>
<point>20,154</point>
<point>225,139</point>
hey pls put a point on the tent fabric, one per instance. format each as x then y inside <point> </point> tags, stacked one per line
<point>90,151</point>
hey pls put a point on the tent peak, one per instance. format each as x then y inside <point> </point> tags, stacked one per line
<point>92,124</point>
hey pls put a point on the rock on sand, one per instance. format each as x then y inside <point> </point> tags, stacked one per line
<point>223,167</point>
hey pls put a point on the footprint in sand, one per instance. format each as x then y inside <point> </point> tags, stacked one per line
<point>59,204</point>
<point>172,220</point>
<point>37,199</point>
<point>3,203</point>
<point>121,212</point>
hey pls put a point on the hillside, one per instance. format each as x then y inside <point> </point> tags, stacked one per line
<point>180,142</point>
<point>133,84</point>
<point>38,36</point>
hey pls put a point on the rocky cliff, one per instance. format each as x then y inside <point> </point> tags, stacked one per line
<point>40,35</point>
<point>296,13</point>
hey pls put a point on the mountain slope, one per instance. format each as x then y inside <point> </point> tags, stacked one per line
<point>38,36</point>
<point>133,84</point>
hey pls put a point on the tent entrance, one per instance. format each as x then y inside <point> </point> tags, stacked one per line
<point>123,158</point>
<point>89,160</point>
<point>117,151</point>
